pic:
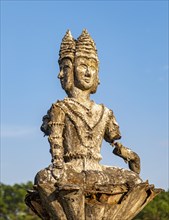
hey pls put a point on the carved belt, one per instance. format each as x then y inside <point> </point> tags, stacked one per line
<point>77,156</point>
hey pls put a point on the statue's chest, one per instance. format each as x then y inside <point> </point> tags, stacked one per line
<point>89,118</point>
<point>87,126</point>
<point>82,123</point>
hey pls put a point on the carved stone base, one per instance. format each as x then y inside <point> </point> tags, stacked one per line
<point>108,202</point>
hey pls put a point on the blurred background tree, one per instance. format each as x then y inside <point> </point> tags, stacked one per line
<point>158,209</point>
<point>12,206</point>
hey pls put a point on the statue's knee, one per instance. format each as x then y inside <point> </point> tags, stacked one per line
<point>41,176</point>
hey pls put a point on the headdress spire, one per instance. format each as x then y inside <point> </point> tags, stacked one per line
<point>67,48</point>
<point>85,46</point>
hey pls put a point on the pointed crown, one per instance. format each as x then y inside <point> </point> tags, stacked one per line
<point>85,46</point>
<point>67,47</point>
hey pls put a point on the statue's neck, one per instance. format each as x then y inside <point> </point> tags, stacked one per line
<point>80,95</point>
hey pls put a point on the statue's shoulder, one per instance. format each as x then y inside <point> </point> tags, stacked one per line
<point>108,111</point>
<point>54,114</point>
<point>105,109</point>
<point>57,109</point>
<point>61,105</point>
<point>58,103</point>
<point>109,115</point>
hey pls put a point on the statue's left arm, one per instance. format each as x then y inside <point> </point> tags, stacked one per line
<point>112,134</point>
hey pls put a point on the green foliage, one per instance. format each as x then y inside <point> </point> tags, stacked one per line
<point>158,209</point>
<point>12,206</point>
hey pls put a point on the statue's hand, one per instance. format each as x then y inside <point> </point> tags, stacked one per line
<point>57,170</point>
<point>57,173</point>
<point>128,155</point>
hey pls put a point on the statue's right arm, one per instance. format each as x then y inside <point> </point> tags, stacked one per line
<point>53,125</point>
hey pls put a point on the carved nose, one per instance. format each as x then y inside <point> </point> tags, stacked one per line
<point>87,73</point>
<point>60,75</point>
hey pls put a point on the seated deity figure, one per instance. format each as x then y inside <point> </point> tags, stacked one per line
<point>75,186</point>
<point>76,126</point>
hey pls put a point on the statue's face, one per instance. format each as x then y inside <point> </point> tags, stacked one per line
<point>86,73</point>
<point>66,74</point>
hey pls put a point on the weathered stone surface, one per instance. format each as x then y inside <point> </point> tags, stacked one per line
<point>75,186</point>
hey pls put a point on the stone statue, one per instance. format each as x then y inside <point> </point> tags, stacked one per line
<point>75,186</point>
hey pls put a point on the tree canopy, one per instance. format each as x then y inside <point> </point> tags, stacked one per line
<point>158,209</point>
<point>12,206</point>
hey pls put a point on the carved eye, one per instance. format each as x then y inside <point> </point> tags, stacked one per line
<point>92,68</point>
<point>83,66</point>
<point>66,68</point>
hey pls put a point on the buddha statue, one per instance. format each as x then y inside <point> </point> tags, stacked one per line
<point>76,127</point>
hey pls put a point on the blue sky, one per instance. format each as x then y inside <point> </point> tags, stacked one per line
<point>132,42</point>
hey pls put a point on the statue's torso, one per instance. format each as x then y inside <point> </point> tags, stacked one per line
<point>81,130</point>
<point>84,129</point>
